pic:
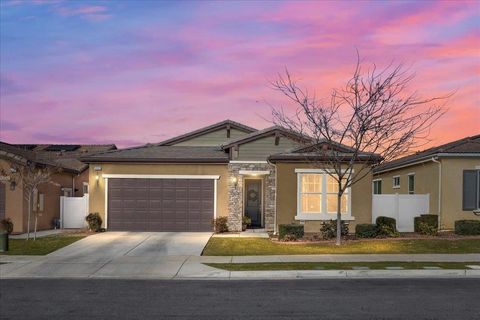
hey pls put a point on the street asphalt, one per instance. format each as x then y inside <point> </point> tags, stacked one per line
<point>385,299</point>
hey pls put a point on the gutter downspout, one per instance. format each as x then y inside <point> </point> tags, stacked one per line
<point>439,191</point>
<point>276,185</point>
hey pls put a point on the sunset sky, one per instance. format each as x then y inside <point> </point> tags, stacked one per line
<point>135,72</point>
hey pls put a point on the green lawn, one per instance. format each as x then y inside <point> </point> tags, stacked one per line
<point>43,245</point>
<point>335,265</point>
<point>258,246</point>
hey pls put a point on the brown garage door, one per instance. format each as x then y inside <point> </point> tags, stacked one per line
<point>160,204</point>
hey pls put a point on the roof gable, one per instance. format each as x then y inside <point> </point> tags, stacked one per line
<point>226,124</point>
<point>271,131</point>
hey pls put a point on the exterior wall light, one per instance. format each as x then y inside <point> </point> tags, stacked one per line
<point>97,178</point>
<point>235,181</point>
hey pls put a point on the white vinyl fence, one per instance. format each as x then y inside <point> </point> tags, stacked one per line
<point>402,207</point>
<point>73,211</point>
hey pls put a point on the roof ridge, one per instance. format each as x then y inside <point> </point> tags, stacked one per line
<point>206,128</point>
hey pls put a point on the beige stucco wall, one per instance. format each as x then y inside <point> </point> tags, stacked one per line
<point>97,190</point>
<point>16,207</point>
<point>287,198</point>
<point>452,190</point>
<point>427,181</point>
<point>13,202</point>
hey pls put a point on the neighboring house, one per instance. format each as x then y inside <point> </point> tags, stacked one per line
<point>71,180</point>
<point>226,169</point>
<point>449,173</point>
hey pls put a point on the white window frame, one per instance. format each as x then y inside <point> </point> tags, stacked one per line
<point>323,215</point>
<point>396,186</point>
<point>411,174</point>
<point>85,188</point>
<point>373,185</point>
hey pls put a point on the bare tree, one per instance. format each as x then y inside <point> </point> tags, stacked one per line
<point>373,119</point>
<point>31,176</point>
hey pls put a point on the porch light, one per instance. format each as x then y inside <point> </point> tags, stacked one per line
<point>234,181</point>
<point>97,178</point>
<point>13,184</point>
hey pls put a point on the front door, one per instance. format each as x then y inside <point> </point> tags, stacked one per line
<point>253,201</point>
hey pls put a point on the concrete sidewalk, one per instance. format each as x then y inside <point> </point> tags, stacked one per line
<point>43,233</point>
<point>192,267</point>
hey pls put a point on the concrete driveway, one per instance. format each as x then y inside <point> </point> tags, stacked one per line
<point>110,245</point>
<point>116,255</point>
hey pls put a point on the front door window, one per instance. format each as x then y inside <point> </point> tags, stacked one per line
<point>253,201</point>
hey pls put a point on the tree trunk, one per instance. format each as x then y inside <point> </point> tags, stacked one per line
<point>29,203</point>
<point>339,219</point>
<point>35,228</point>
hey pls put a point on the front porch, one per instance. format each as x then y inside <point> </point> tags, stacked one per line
<point>251,192</point>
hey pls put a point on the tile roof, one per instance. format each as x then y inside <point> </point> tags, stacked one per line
<point>213,127</point>
<point>39,153</point>
<point>162,154</point>
<point>467,145</point>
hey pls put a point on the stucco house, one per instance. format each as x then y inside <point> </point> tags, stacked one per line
<point>226,169</point>
<point>71,180</point>
<point>449,173</point>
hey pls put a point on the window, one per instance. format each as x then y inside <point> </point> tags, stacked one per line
<point>317,194</point>
<point>411,183</point>
<point>41,202</point>
<point>311,193</point>
<point>85,188</point>
<point>396,182</point>
<point>377,186</point>
<point>332,196</point>
<point>471,190</point>
<point>67,192</point>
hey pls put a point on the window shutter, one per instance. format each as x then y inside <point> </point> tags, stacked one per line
<point>469,190</point>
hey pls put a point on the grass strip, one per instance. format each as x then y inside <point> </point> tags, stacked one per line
<point>41,246</point>
<point>218,246</point>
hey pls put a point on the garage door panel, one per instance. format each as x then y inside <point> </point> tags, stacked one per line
<point>160,204</point>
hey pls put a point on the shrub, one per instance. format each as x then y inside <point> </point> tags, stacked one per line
<point>366,230</point>
<point>467,227</point>
<point>386,221</point>
<point>290,231</point>
<point>94,221</point>
<point>428,229</point>
<point>329,229</point>
<point>6,225</point>
<point>430,219</point>
<point>246,220</point>
<point>385,230</point>
<point>220,224</point>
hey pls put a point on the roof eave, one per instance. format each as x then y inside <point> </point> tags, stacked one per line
<point>165,160</point>
<point>425,159</point>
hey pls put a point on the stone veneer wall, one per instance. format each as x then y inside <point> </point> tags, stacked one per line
<point>235,194</point>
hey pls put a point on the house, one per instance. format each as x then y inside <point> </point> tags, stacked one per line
<point>71,180</point>
<point>226,169</point>
<point>449,173</point>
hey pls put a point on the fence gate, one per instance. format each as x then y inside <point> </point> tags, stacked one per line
<point>403,207</point>
<point>73,211</point>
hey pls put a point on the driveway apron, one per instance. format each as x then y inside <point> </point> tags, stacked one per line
<point>119,254</point>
